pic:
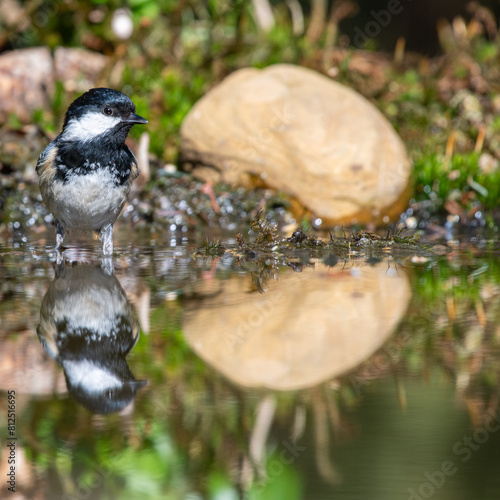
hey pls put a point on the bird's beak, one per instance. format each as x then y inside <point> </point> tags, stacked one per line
<point>133,118</point>
<point>136,384</point>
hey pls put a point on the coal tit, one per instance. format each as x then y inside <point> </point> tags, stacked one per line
<point>86,172</point>
<point>88,326</point>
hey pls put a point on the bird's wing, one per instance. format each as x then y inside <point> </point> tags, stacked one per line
<point>135,167</point>
<point>46,159</point>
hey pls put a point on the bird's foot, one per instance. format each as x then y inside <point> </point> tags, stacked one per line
<point>107,240</point>
<point>59,248</point>
<point>59,256</point>
<point>60,232</point>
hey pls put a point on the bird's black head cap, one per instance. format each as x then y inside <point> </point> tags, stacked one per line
<point>95,100</point>
<point>101,104</point>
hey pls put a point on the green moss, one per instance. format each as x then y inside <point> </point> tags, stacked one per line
<point>211,249</point>
<point>266,242</point>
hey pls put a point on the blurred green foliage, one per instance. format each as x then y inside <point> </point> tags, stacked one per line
<point>460,178</point>
<point>180,49</point>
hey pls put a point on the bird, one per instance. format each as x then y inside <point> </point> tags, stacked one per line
<point>88,326</point>
<point>86,172</point>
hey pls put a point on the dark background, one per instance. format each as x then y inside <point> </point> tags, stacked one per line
<point>416,23</point>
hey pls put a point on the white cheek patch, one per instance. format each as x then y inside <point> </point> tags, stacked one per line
<point>90,377</point>
<point>89,126</point>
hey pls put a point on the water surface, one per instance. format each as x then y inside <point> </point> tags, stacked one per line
<point>163,374</point>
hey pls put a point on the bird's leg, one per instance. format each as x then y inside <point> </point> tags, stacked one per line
<point>59,234</point>
<point>107,239</point>
<point>107,265</point>
<point>59,240</point>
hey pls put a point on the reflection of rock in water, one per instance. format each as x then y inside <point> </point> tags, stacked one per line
<point>307,328</point>
<point>87,325</point>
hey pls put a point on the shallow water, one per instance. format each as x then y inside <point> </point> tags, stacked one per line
<point>164,375</point>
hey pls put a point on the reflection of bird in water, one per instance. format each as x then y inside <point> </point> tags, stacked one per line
<point>87,325</point>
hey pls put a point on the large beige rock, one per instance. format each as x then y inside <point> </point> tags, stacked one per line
<point>300,132</point>
<point>307,328</point>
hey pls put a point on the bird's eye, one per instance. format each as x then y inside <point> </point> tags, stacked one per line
<point>107,111</point>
